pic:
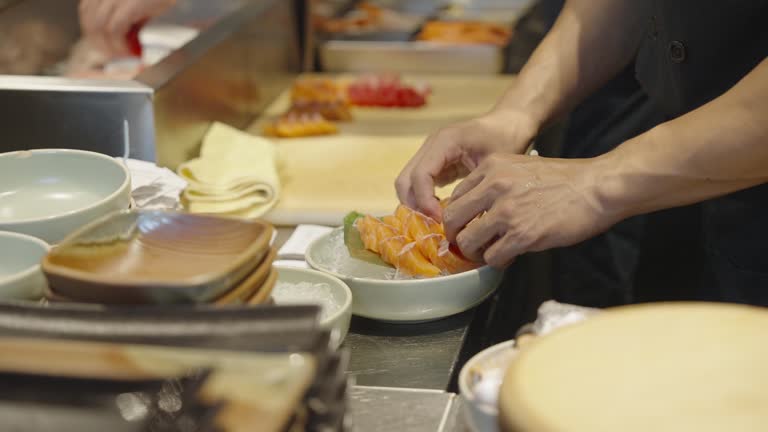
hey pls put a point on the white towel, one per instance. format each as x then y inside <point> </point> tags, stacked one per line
<point>236,174</point>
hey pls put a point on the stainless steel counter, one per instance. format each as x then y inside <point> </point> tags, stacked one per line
<point>422,355</point>
<point>404,410</point>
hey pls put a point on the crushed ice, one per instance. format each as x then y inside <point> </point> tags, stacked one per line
<point>286,293</point>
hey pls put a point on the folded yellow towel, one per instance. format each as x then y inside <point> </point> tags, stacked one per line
<point>235,174</point>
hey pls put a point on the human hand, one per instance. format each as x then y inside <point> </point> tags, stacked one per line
<point>452,152</point>
<point>111,20</point>
<point>525,204</point>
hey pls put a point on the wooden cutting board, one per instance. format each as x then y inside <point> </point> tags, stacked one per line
<point>323,178</point>
<point>663,367</point>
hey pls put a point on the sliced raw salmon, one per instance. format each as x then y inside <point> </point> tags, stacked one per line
<point>430,239</point>
<point>412,242</point>
<point>373,231</point>
<point>392,220</point>
<point>415,224</point>
<point>440,253</point>
<point>406,257</point>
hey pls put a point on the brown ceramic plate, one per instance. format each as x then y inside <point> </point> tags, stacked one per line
<point>54,297</point>
<point>251,286</point>
<point>265,293</point>
<point>145,257</point>
<point>255,287</point>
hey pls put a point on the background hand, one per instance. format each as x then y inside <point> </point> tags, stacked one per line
<point>110,20</point>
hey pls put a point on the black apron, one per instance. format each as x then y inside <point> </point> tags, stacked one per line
<point>601,271</point>
<point>694,51</point>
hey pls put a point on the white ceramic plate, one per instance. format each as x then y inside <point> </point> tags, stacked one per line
<point>377,295</point>
<point>337,319</point>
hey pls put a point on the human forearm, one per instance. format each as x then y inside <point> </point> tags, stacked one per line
<point>719,148</point>
<point>589,44</point>
<point>591,41</point>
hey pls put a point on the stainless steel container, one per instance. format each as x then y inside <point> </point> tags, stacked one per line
<point>340,54</point>
<point>229,73</point>
<point>411,57</point>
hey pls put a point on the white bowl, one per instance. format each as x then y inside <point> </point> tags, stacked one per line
<point>480,415</point>
<point>336,320</point>
<point>20,274</point>
<point>376,295</point>
<point>50,193</point>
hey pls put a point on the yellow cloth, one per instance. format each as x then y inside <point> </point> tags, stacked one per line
<point>236,174</point>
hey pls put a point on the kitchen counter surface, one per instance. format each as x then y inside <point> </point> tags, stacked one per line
<point>415,355</point>
<point>404,410</point>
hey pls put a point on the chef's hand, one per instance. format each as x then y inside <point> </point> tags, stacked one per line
<point>110,20</point>
<point>454,151</point>
<point>531,204</point>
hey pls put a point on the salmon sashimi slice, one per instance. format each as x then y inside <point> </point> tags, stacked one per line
<point>437,248</point>
<point>373,231</point>
<point>413,243</point>
<point>402,253</point>
<point>430,239</point>
<point>392,220</point>
<point>417,225</point>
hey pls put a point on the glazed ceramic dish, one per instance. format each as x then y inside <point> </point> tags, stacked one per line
<point>255,289</point>
<point>338,318</point>
<point>50,193</point>
<point>263,296</point>
<point>479,383</point>
<point>379,296</point>
<point>20,274</point>
<point>251,286</point>
<point>141,257</point>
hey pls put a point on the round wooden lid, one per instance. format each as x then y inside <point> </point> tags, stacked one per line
<point>657,367</point>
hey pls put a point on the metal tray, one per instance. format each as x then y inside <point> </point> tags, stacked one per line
<point>411,57</point>
<point>507,15</point>
<point>396,53</point>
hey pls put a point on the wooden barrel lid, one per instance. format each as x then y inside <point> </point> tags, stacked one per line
<point>657,367</point>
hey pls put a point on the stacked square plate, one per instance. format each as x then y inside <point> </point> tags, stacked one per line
<point>138,292</point>
<point>156,257</point>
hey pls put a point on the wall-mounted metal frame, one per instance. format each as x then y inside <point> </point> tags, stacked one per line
<point>229,74</point>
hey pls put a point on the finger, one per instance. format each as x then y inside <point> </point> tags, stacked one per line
<point>475,238</point>
<point>411,200</point>
<point>403,184</point>
<point>123,17</point>
<point>469,183</point>
<point>450,174</point>
<point>462,210</point>
<point>504,251</point>
<point>431,166</point>
<point>88,10</point>
<point>403,181</point>
<point>423,188</point>
<point>102,13</point>
<point>115,45</point>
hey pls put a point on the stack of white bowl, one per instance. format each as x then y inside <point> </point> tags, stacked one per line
<point>45,195</point>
